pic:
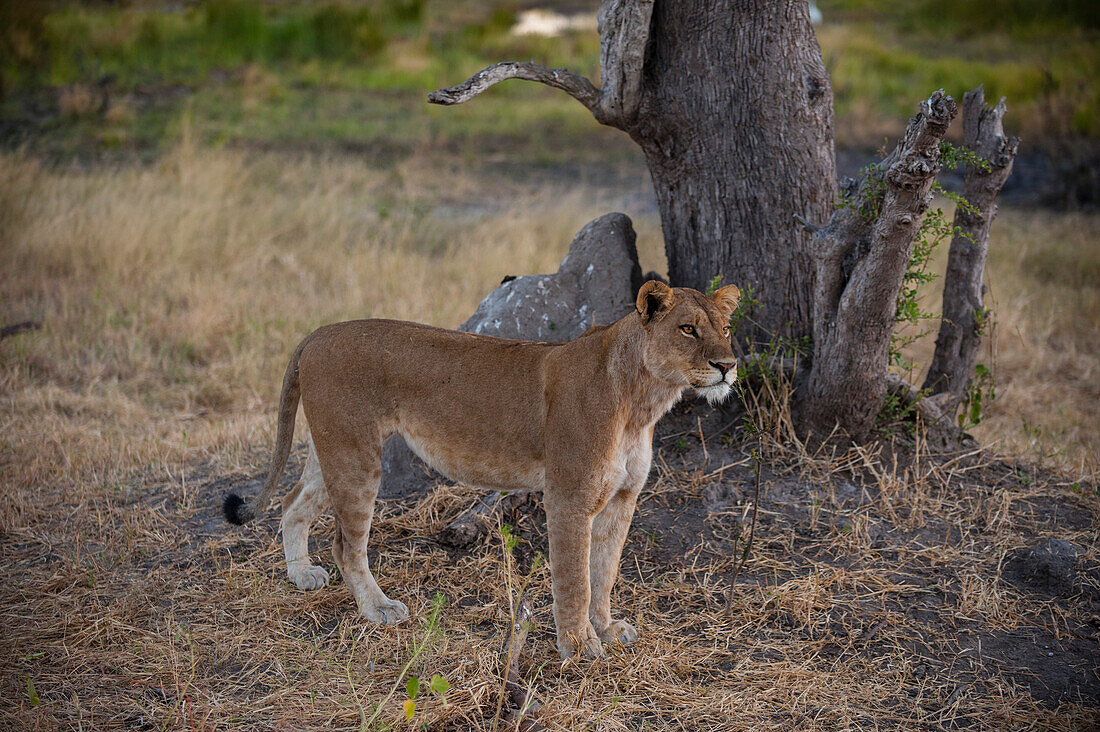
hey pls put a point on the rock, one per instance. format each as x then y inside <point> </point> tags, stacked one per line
<point>595,285</point>
<point>1051,568</point>
<point>723,495</point>
<point>403,473</point>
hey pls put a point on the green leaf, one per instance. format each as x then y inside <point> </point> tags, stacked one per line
<point>439,684</point>
<point>32,694</point>
<point>510,539</point>
<point>413,687</point>
<point>410,708</point>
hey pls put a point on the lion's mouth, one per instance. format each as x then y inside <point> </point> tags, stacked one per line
<point>728,380</point>
<point>716,392</point>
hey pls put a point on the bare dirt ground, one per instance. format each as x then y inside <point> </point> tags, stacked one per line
<point>884,589</point>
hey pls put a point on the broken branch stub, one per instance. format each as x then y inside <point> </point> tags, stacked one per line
<point>624,32</point>
<point>964,313</point>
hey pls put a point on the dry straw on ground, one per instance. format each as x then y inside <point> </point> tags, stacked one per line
<point>170,297</point>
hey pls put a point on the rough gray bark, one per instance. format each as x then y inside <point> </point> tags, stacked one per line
<point>731,104</point>
<point>963,309</point>
<point>736,123</point>
<point>861,256</point>
<point>940,432</point>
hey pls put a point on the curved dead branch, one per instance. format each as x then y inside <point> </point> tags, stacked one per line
<point>572,84</point>
<point>624,32</point>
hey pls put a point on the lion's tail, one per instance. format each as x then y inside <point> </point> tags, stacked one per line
<point>237,511</point>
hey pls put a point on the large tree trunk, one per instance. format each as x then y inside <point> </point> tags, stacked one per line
<point>736,122</point>
<point>731,103</point>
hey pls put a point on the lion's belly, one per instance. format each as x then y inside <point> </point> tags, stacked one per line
<point>486,466</point>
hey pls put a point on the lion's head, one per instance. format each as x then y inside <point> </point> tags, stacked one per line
<point>688,336</point>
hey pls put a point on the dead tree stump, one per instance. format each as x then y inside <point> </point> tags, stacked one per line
<point>964,313</point>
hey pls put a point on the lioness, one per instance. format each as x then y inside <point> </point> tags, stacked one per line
<point>573,420</point>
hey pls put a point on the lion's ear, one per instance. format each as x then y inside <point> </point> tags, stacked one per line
<point>654,297</point>
<point>726,298</point>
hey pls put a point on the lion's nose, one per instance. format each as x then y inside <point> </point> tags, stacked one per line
<point>723,366</point>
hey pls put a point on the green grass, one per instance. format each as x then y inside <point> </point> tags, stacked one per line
<point>355,76</point>
<point>1024,18</point>
<point>882,62</point>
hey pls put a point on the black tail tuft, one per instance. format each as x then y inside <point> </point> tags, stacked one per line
<point>235,511</point>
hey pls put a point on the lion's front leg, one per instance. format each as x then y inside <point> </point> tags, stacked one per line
<point>570,539</point>
<point>609,530</point>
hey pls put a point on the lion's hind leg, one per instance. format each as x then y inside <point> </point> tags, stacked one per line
<point>300,507</point>
<point>353,484</point>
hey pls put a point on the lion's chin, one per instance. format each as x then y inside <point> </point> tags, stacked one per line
<point>715,393</point>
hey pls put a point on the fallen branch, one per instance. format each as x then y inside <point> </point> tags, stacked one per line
<point>522,706</point>
<point>473,524</point>
<point>16,328</point>
<point>934,412</point>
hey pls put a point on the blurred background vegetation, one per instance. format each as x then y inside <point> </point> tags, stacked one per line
<point>96,79</point>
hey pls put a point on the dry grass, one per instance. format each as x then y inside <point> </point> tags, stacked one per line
<point>171,296</point>
<point>139,609</point>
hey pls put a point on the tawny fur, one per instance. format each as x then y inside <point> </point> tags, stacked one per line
<point>572,420</point>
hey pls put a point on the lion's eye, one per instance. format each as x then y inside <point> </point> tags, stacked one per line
<point>688,329</point>
<point>726,331</point>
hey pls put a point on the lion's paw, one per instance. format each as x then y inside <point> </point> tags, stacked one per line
<point>584,642</point>
<point>310,577</point>
<point>385,611</point>
<point>619,631</point>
